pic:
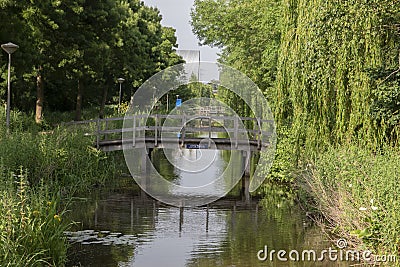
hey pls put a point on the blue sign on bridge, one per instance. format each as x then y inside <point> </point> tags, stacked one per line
<point>196,146</point>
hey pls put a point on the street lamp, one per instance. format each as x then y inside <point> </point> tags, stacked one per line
<point>9,48</point>
<point>120,80</point>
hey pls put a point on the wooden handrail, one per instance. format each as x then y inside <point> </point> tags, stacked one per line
<point>230,125</point>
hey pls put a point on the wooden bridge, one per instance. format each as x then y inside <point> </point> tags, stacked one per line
<point>187,131</point>
<point>203,130</point>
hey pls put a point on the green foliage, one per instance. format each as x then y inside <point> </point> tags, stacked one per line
<point>193,90</point>
<point>247,31</point>
<point>54,118</point>
<point>31,223</point>
<point>37,171</point>
<point>282,169</point>
<point>385,106</point>
<point>63,156</point>
<point>312,61</point>
<point>93,42</point>
<point>19,122</point>
<point>358,193</point>
<point>322,84</point>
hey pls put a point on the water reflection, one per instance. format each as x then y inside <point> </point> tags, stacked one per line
<point>227,233</point>
<point>125,227</point>
<point>180,182</point>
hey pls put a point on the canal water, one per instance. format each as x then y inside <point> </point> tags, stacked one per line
<point>122,226</point>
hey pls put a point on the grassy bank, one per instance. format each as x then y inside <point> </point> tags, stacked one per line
<point>357,192</point>
<point>31,223</point>
<point>38,171</point>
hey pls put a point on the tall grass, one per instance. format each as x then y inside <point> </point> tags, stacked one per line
<point>64,156</point>
<point>358,192</point>
<point>31,224</point>
<point>38,170</point>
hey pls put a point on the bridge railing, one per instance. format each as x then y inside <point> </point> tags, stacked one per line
<point>160,125</point>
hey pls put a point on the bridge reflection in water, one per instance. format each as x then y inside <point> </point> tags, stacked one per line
<point>121,228</point>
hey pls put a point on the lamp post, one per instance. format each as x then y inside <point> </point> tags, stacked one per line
<point>120,80</point>
<point>9,48</point>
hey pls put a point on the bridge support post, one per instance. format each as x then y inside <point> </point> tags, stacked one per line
<point>246,155</point>
<point>146,161</point>
<point>145,167</point>
<point>143,164</point>
<point>247,162</point>
<point>180,219</point>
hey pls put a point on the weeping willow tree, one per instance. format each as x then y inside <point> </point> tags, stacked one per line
<point>323,88</point>
<point>323,65</point>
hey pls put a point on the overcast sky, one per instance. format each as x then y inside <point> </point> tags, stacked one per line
<point>176,13</point>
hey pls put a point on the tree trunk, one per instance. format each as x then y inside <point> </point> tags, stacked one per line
<point>78,111</point>
<point>40,95</point>
<point>103,102</point>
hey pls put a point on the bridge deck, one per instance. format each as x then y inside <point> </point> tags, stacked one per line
<point>190,143</point>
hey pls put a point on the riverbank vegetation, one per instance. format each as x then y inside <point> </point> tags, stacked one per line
<point>330,72</point>
<point>39,172</point>
<point>31,222</point>
<point>359,194</point>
